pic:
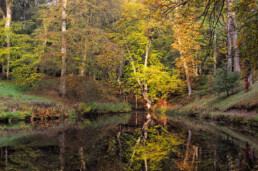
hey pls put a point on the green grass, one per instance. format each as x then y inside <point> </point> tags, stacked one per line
<point>19,115</point>
<point>104,108</point>
<point>241,100</point>
<point>12,91</point>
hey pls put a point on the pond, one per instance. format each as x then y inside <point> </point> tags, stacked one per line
<point>129,141</point>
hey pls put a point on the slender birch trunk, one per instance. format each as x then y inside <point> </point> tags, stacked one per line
<point>145,89</point>
<point>7,30</point>
<point>143,85</point>
<point>63,51</point>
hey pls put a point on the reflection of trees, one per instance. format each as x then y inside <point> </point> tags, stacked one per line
<point>157,148</point>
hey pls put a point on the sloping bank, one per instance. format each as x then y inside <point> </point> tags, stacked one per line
<point>239,108</point>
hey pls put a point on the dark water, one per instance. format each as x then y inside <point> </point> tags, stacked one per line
<point>119,142</point>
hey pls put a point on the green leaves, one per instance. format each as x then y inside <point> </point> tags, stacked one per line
<point>226,81</point>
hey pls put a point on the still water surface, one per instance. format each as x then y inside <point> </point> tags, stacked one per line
<point>127,142</point>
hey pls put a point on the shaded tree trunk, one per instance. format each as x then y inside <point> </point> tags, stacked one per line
<point>235,46</point>
<point>83,66</point>
<point>64,52</point>
<point>215,54</point>
<point>229,30</point>
<point>7,30</point>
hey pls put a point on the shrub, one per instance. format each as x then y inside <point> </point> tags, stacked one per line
<point>226,81</point>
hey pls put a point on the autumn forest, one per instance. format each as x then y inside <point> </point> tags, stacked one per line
<point>128,85</point>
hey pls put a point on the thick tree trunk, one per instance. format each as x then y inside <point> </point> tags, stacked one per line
<point>215,54</point>
<point>235,46</point>
<point>83,66</point>
<point>7,30</point>
<point>229,30</point>
<point>64,52</point>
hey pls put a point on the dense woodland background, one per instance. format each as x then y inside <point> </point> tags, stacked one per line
<point>154,49</point>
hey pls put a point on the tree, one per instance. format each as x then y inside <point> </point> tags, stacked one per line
<point>63,50</point>
<point>226,81</point>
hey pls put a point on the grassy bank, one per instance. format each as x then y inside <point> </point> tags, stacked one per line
<point>238,108</point>
<point>102,108</point>
<point>18,105</point>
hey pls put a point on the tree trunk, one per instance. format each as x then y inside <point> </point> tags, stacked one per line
<point>250,78</point>
<point>215,54</point>
<point>64,52</point>
<point>41,67</point>
<point>189,87</point>
<point>83,66</point>
<point>229,30</point>
<point>145,89</point>
<point>235,46</point>
<point>7,30</point>
<point>143,86</point>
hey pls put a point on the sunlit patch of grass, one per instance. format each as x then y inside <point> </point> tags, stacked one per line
<point>11,116</point>
<point>11,91</point>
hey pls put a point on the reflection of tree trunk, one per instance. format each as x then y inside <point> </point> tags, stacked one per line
<point>83,163</point>
<point>62,150</point>
<point>144,133</point>
<point>187,148</point>
<point>120,146</point>
<point>145,161</point>
<point>7,29</point>
<point>215,159</point>
<point>6,158</point>
<point>64,52</point>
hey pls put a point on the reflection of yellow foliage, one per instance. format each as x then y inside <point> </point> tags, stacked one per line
<point>159,145</point>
